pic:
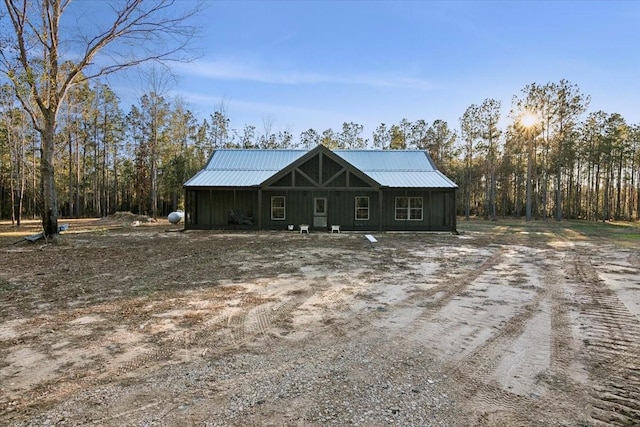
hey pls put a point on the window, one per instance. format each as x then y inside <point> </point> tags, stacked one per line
<point>415,208</point>
<point>362,208</point>
<point>320,206</point>
<point>409,208</point>
<point>402,208</point>
<point>277,208</point>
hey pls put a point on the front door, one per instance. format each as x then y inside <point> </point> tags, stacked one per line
<point>320,212</point>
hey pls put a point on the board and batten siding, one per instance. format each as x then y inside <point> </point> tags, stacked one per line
<point>212,208</point>
<point>438,211</point>
<point>340,209</point>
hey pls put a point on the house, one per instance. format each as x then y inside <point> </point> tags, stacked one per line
<point>359,190</point>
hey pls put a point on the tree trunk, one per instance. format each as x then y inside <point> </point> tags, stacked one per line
<point>154,164</point>
<point>577,192</point>
<point>638,196</point>
<point>48,210</point>
<point>12,190</point>
<point>23,182</point>
<point>467,201</point>
<point>105,177</point>
<point>597,193</point>
<point>77,192</point>
<point>632,190</point>
<point>559,192</point>
<point>116,200</point>
<point>97,199</point>
<point>529,189</point>
<point>494,195</point>
<point>34,185</point>
<point>71,183</point>
<point>618,210</point>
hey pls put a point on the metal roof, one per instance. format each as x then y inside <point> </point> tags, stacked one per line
<point>243,168</point>
<point>412,179</point>
<point>388,160</point>
<point>253,160</point>
<point>398,168</point>
<point>389,168</point>
<point>228,178</point>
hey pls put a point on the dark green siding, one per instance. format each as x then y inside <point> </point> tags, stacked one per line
<point>211,208</point>
<point>298,209</point>
<point>438,211</point>
<point>340,209</point>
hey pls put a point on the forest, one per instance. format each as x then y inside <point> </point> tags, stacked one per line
<point>548,158</point>
<point>69,149</point>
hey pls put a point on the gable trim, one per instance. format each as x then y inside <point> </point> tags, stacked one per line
<point>321,151</point>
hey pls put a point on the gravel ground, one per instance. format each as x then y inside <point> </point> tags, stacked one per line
<point>506,324</point>
<point>352,381</point>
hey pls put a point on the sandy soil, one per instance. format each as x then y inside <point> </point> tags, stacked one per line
<point>508,323</point>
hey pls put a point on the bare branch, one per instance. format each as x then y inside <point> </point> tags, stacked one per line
<point>32,60</point>
<point>139,27</point>
<point>140,31</point>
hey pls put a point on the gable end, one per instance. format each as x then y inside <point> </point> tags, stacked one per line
<point>320,168</point>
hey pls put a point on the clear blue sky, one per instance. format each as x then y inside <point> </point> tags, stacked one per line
<point>317,64</point>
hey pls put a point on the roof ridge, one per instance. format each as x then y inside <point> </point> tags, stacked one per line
<point>261,149</point>
<point>378,150</point>
<point>400,169</point>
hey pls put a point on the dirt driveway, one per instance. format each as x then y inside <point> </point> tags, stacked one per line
<point>508,323</point>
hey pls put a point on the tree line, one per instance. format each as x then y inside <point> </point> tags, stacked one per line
<point>548,158</point>
<point>67,148</point>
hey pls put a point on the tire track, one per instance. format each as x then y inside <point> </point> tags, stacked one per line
<point>236,326</point>
<point>475,370</point>
<point>612,346</point>
<point>337,301</point>
<point>252,321</point>
<point>433,300</point>
<point>562,340</point>
<point>260,320</point>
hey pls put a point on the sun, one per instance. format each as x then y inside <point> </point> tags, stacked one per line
<point>528,119</point>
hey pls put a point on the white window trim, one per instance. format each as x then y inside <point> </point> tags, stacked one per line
<point>358,207</point>
<point>283,207</point>
<point>324,205</point>
<point>408,209</point>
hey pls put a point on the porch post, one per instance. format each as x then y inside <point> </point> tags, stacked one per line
<point>210,209</point>
<point>454,211</point>
<point>380,210</point>
<point>259,209</point>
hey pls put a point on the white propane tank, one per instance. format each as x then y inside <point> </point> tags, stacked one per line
<point>176,217</point>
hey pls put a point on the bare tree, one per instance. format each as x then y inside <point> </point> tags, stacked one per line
<point>309,138</point>
<point>157,108</point>
<point>351,136</point>
<point>489,115</point>
<point>220,127</point>
<point>31,58</point>
<point>470,133</point>
<point>381,137</point>
<point>14,133</point>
